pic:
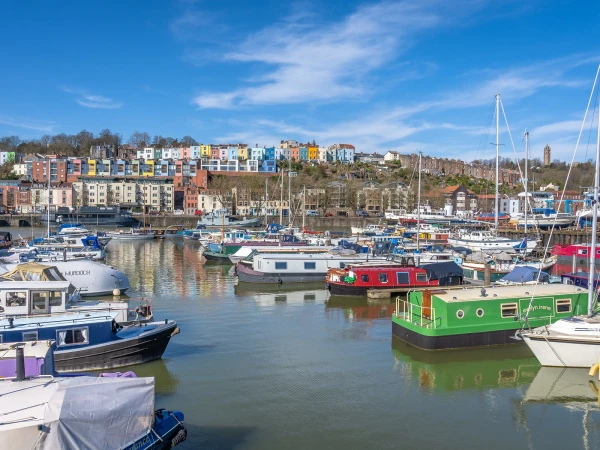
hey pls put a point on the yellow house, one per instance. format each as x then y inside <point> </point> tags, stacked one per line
<point>313,153</point>
<point>242,153</point>
<point>150,169</point>
<point>91,167</point>
<point>205,151</point>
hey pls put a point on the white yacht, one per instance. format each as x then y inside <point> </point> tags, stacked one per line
<point>487,240</point>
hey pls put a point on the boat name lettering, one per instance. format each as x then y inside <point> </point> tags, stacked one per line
<point>534,308</point>
<point>73,273</point>
<point>140,444</point>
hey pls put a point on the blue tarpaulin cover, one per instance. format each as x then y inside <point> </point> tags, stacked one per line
<point>524,274</point>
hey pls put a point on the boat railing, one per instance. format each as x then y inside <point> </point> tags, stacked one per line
<point>54,322</point>
<point>415,313</point>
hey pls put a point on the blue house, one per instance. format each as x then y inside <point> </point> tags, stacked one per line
<point>303,153</point>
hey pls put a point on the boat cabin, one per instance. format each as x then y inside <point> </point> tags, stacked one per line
<point>439,319</point>
<point>19,298</point>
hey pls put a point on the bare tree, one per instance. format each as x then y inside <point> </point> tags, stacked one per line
<point>139,139</point>
<point>188,141</point>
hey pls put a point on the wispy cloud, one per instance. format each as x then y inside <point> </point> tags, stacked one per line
<point>88,100</point>
<point>324,62</point>
<point>28,124</point>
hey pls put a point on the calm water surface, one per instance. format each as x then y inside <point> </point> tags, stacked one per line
<point>256,369</point>
<point>300,369</point>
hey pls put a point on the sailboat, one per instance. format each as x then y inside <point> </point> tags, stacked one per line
<point>489,240</point>
<point>573,341</point>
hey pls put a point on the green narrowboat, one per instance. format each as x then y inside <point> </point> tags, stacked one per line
<point>446,319</point>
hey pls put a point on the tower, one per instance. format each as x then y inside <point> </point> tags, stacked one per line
<point>547,156</point>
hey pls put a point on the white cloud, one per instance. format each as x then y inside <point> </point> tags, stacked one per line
<point>84,98</point>
<point>308,61</point>
<point>28,124</point>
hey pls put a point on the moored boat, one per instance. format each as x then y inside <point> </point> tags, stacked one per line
<point>358,279</point>
<point>578,250</point>
<point>446,319</point>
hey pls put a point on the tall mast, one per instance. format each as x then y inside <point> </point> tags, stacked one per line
<point>290,191</point>
<point>48,212</point>
<point>591,288</point>
<point>526,194</point>
<point>266,200</point>
<point>303,207</point>
<point>281,201</point>
<point>497,158</point>
<point>419,203</point>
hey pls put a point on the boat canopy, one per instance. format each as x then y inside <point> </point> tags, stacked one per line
<point>347,245</point>
<point>524,274</point>
<point>33,271</point>
<point>443,271</point>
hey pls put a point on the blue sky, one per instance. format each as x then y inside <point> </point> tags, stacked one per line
<point>380,75</point>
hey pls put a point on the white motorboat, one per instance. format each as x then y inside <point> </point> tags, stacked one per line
<point>487,240</point>
<point>546,218</point>
<point>90,278</point>
<point>130,235</point>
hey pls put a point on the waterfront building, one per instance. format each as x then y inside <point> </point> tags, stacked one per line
<point>7,157</point>
<point>205,152</point>
<point>322,154</point>
<point>304,154</point>
<point>313,152</point>
<point>20,169</point>
<point>294,153</point>
<point>257,153</point>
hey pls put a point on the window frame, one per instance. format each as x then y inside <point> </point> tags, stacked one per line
<point>563,301</point>
<point>310,263</point>
<point>29,332</point>
<point>422,275</point>
<point>72,330</point>
<point>384,275</point>
<point>398,274</point>
<point>512,306</point>
<point>15,306</point>
<point>279,263</point>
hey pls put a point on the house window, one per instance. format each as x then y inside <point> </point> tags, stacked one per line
<point>73,336</point>
<point>508,310</point>
<point>30,336</point>
<point>563,305</point>
<point>402,277</point>
<point>421,278</point>
<point>383,278</point>
<point>16,299</point>
<point>280,266</point>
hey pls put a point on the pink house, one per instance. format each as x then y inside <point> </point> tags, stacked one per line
<point>186,152</point>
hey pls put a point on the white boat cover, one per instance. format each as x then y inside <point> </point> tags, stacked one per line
<point>98,413</point>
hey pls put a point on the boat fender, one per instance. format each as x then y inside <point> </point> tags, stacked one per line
<point>458,260</point>
<point>175,331</point>
<point>594,369</point>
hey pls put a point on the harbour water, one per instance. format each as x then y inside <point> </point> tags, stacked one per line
<point>298,369</point>
<point>274,368</point>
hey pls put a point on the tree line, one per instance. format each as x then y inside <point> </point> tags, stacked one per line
<point>79,144</point>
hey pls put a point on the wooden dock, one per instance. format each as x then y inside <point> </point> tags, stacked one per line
<point>564,236</point>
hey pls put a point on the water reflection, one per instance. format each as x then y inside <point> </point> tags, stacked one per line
<point>462,370</point>
<point>285,296</point>
<point>166,382</point>
<point>360,308</point>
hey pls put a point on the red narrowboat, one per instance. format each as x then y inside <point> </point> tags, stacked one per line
<point>357,279</point>
<point>580,250</point>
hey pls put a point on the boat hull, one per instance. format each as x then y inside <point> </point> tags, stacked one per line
<point>456,341</point>
<point>562,351</point>
<point>123,352</point>
<point>344,289</point>
<point>247,275</point>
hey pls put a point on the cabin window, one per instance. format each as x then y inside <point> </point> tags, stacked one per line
<point>479,312</point>
<point>280,266</point>
<point>0,339</point>
<point>342,265</point>
<point>402,277</point>
<point>55,298</point>
<point>509,310</point>
<point>460,314</point>
<point>563,306</point>
<point>383,278</point>
<point>73,336</point>
<point>584,252</point>
<point>30,336</point>
<point>16,299</point>
<point>364,278</point>
<point>38,300</point>
<point>421,278</point>
<point>310,266</point>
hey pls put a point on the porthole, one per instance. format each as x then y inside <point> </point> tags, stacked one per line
<point>479,312</point>
<point>460,314</point>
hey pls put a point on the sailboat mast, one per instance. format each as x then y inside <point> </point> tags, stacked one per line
<point>526,180</point>
<point>48,212</point>
<point>591,288</point>
<point>497,158</point>
<point>290,192</point>
<point>281,201</point>
<point>304,208</point>
<point>266,200</point>
<point>419,203</point>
